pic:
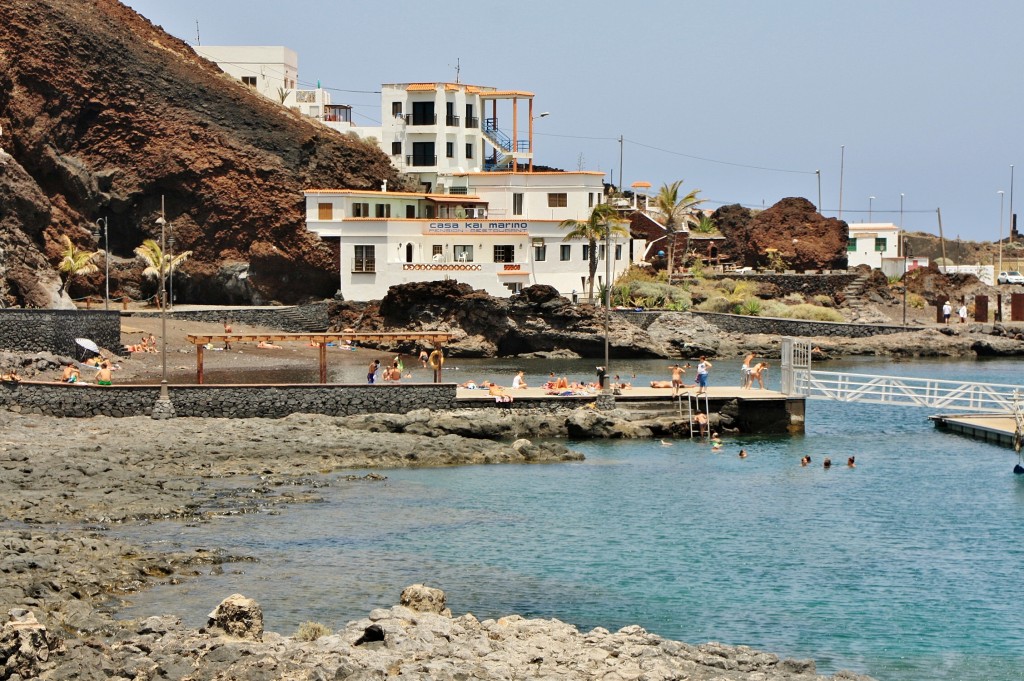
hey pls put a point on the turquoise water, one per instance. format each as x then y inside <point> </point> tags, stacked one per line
<point>906,567</point>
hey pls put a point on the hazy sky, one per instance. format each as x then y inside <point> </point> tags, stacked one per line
<point>743,99</point>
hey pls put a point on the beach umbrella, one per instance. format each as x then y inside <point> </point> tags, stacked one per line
<point>88,345</point>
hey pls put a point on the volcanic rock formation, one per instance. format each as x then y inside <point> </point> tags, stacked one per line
<point>104,113</point>
<point>803,238</point>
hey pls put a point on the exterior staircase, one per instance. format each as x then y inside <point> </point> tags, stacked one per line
<point>858,309</point>
<point>304,318</point>
<point>500,141</point>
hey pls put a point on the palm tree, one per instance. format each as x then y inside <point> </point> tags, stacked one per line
<point>74,261</point>
<point>602,219</point>
<point>678,214</point>
<point>152,254</point>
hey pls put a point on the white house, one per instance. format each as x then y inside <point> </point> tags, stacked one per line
<point>869,243</point>
<point>482,216</point>
<point>267,69</point>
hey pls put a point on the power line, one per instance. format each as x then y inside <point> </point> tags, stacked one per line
<point>725,163</point>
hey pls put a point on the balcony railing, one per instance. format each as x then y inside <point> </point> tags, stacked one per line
<point>451,121</point>
<point>420,160</point>
<point>364,264</point>
<point>472,122</point>
<point>415,119</point>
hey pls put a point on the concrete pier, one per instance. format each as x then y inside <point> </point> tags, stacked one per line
<point>995,428</point>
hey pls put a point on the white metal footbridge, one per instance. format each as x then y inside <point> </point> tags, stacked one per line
<point>798,379</point>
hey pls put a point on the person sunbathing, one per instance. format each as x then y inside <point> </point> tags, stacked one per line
<point>498,393</point>
<point>562,383</point>
<point>267,345</point>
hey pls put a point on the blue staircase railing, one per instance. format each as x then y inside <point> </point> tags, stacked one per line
<point>503,141</point>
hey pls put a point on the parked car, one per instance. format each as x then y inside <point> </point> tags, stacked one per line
<point>1011,278</point>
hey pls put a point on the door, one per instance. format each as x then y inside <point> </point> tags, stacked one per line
<point>408,252</point>
<point>423,113</point>
<point>423,154</point>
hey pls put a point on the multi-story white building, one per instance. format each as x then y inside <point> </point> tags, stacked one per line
<point>273,71</point>
<point>482,216</point>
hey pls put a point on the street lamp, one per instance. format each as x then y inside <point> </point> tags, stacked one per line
<point>163,303</point>
<point>102,222</point>
<point>906,254</point>
<point>871,201</point>
<point>1000,268</point>
<point>842,164</point>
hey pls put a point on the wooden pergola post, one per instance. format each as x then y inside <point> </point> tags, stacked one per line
<point>323,362</point>
<point>199,363</point>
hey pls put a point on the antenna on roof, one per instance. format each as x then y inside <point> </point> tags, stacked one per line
<point>197,33</point>
<point>458,68</point>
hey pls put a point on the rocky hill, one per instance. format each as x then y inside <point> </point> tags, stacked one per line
<point>104,113</point>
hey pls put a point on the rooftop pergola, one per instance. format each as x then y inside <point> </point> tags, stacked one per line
<point>422,338</point>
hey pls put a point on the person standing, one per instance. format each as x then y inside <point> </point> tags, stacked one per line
<point>227,341</point>
<point>947,310</point>
<point>677,378</point>
<point>371,371</point>
<point>702,375</point>
<point>745,370</point>
<point>962,313</point>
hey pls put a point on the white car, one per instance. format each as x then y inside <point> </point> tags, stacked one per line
<point>1011,278</point>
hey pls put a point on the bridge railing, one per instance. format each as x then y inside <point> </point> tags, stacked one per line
<point>905,391</point>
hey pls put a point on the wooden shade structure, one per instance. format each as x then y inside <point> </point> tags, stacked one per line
<point>435,340</point>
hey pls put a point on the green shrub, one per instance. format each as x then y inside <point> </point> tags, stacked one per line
<point>311,631</point>
<point>823,300</point>
<point>716,304</point>
<point>794,298</point>
<point>750,307</point>
<point>915,300</point>
<point>725,284</point>
<point>814,313</point>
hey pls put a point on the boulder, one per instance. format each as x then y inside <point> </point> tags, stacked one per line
<point>24,645</point>
<point>424,599</point>
<point>237,616</point>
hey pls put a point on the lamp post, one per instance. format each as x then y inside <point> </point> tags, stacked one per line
<point>818,173</point>
<point>163,304</point>
<point>871,201</point>
<point>102,223</point>
<point>906,254</point>
<point>170,271</point>
<point>842,163</point>
<point>1000,268</point>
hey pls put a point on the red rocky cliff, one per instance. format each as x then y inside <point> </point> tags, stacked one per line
<point>103,113</point>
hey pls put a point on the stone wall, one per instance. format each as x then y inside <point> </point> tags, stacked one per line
<point>293,319</point>
<point>28,330</point>
<point>797,327</point>
<point>273,401</point>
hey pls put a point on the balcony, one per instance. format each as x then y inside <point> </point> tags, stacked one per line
<point>451,121</point>
<point>420,160</point>
<point>414,119</point>
<point>472,122</point>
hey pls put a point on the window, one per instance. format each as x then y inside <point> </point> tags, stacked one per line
<point>851,246</point>
<point>365,259</point>
<point>463,253</point>
<point>423,113</point>
<point>558,200</point>
<point>396,148</point>
<point>471,122</point>
<point>540,252</point>
<point>600,252</point>
<point>396,108</point>
<point>564,252</point>
<point>590,200</point>
<point>249,80</point>
<point>360,210</point>
<point>383,210</point>
<point>410,212</point>
<point>325,211</point>
<point>880,243</point>
<point>469,150</point>
<point>618,251</point>
<point>505,253</point>
<point>586,251</point>
<point>422,154</point>
<point>449,149</point>
<point>437,252</point>
<point>517,204</point>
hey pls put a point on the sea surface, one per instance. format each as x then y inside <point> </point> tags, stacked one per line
<point>908,567</point>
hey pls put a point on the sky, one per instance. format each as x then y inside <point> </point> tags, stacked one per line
<point>743,99</point>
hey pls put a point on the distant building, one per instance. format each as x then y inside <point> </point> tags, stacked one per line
<point>273,72</point>
<point>481,215</point>
<point>877,244</point>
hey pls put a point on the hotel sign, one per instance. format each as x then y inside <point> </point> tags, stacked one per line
<point>475,227</point>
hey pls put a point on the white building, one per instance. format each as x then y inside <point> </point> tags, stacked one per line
<point>869,243</point>
<point>482,216</point>
<point>269,70</point>
<point>273,71</point>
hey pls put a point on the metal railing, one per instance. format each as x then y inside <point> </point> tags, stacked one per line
<point>420,160</point>
<point>451,120</point>
<point>364,264</point>
<point>414,119</point>
<point>472,122</point>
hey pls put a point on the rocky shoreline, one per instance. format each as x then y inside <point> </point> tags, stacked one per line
<point>63,483</point>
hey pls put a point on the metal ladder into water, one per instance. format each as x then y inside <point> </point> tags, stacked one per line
<point>692,406</point>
